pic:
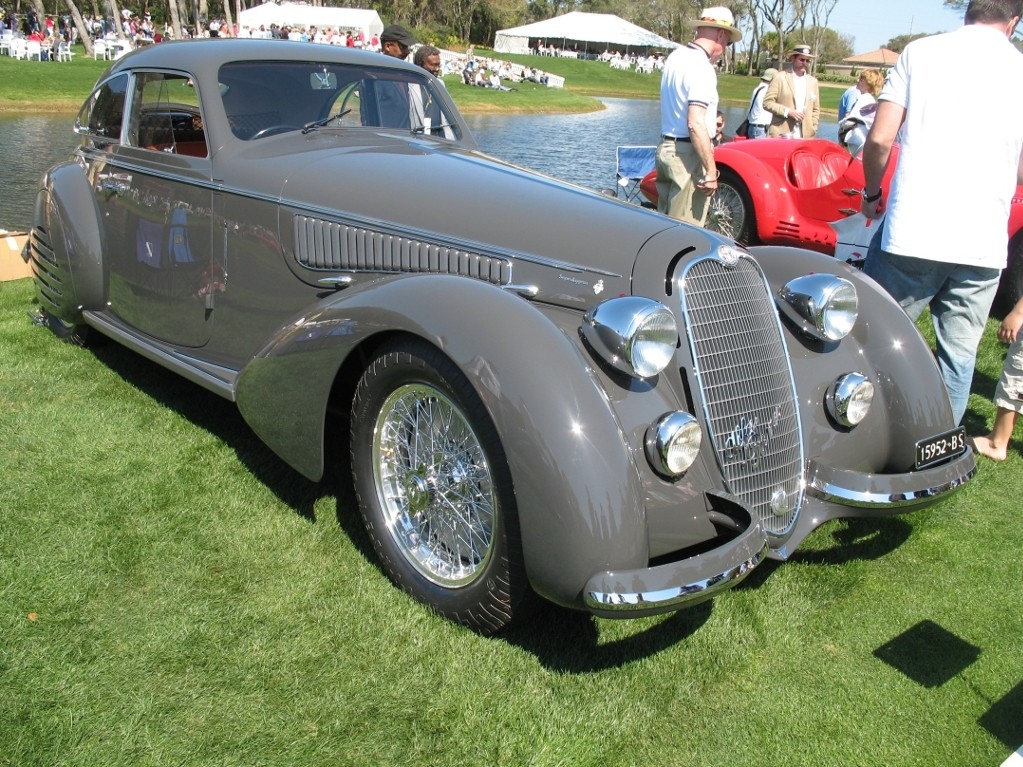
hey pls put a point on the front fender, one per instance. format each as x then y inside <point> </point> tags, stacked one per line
<point>66,211</point>
<point>578,492</point>
<point>911,401</point>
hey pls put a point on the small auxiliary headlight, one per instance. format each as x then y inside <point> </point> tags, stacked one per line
<point>633,334</point>
<point>849,398</point>
<point>823,305</point>
<point>673,442</point>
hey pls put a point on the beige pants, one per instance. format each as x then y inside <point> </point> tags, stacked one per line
<point>1009,393</point>
<point>678,167</point>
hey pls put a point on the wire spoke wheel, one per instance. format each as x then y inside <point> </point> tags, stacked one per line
<point>731,210</point>
<point>435,489</point>
<point>434,485</point>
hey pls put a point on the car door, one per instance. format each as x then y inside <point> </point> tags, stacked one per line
<point>155,197</point>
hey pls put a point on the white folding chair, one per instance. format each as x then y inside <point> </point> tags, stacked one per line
<point>64,51</point>
<point>33,50</point>
<point>99,49</point>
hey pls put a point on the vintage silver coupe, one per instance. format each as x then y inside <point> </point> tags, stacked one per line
<point>575,398</point>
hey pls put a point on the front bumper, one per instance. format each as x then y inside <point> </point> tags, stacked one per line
<point>662,588</point>
<point>898,492</point>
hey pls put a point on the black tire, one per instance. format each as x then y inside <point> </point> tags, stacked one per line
<point>731,210</point>
<point>434,488</point>
<point>79,335</point>
<point>1010,286</point>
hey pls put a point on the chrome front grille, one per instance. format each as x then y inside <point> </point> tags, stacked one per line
<point>327,245</point>
<point>742,369</point>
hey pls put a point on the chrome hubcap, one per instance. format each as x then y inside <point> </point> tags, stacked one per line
<point>434,484</point>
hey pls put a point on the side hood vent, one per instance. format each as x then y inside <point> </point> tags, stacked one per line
<point>329,246</point>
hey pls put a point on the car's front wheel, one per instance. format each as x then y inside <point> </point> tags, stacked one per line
<point>434,487</point>
<point>731,210</point>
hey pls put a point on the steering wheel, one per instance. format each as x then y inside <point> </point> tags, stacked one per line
<point>270,130</point>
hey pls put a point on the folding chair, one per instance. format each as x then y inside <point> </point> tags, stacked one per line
<point>633,164</point>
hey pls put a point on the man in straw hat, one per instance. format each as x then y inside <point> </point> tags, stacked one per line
<point>793,98</point>
<point>686,174</point>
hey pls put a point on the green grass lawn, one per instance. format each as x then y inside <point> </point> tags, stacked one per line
<point>172,594</point>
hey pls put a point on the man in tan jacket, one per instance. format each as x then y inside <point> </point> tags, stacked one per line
<point>793,98</point>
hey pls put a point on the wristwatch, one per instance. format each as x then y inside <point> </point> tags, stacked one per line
<point>871,197</point>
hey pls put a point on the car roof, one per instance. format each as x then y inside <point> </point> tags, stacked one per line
<point>209,54</point>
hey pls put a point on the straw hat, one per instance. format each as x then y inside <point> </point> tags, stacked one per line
<point>718,18</point>
<point>801,50</point>
<point>769,74</point>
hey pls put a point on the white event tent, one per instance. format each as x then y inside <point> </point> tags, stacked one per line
<point>584,31</point>
<point>305,15</point>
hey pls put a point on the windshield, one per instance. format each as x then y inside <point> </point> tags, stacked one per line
<point>268,97</point>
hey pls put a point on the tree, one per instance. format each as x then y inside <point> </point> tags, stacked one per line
<point>901,41</point>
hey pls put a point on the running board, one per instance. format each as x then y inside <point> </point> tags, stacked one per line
<point>219,380</point>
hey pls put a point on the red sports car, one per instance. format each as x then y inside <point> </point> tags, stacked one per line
<point>807,193</point>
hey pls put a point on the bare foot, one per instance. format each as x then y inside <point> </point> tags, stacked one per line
<point>986,447</point>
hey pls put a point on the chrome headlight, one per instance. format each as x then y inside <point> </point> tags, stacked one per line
<point>673,443</point>
<point>633,334</point>
<point>849,398</point>
<point>823,305</point>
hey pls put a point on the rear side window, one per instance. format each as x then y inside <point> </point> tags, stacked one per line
<point>165,115</point>
<point>102,115</point>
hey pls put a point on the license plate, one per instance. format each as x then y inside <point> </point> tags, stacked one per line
<point>939,447</point>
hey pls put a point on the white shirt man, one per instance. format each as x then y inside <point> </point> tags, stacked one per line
<point>943,244</point>
<point>687,176</point>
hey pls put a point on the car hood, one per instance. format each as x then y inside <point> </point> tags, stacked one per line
<point>436,192</point>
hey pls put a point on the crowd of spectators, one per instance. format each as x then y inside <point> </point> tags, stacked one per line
<point>486,72</point>
<point>647,64</point>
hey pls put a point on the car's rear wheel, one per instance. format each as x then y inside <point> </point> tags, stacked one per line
<point>72,333</point>
<point>1010,287</point>
<point>731,210</point>
<point>434,487</point>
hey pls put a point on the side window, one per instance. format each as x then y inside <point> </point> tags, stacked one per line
<point>165,115</point>
<point>102,114</point>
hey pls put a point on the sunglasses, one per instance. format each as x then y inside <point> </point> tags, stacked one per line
<point>803,59</point>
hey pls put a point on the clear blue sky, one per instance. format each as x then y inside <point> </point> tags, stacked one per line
<point>873,22</point>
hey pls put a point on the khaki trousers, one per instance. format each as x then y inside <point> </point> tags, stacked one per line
<point>678,167</point>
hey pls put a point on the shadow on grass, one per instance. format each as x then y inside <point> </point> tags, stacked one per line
<point>221,418</point>
<point>862,539</point>
<point>569,641</point>
<point>1004,719</point>
<point>928,654</point>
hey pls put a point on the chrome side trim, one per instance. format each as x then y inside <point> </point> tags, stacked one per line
<point>219,380</point>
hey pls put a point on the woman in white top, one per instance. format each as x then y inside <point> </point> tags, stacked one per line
<point>852,131</point>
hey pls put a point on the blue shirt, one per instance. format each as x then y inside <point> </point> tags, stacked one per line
<point>847,102</point>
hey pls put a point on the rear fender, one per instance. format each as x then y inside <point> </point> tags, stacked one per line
<point>578,492</point>
<point>66,210</point>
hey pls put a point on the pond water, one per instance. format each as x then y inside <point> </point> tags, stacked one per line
<point>578,148</point>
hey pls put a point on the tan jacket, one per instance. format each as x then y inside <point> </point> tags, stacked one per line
<point>780,98</point>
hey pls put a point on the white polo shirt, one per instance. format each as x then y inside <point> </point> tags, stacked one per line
<point>960,149</point>
<point>688,78</point>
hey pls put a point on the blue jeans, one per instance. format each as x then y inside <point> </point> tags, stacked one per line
<point>959,298</point>
<point>757,131</point>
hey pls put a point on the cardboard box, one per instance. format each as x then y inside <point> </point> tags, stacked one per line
<point>12,267</point>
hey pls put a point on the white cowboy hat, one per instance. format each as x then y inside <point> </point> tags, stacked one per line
<point>801,50</point>
<point>718,18</point>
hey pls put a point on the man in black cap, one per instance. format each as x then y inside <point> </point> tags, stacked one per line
<point>396,41</point>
